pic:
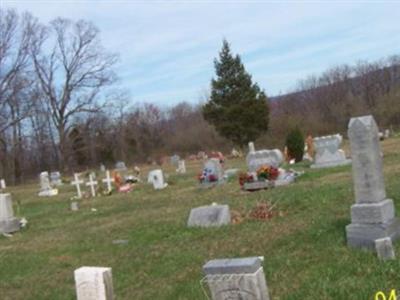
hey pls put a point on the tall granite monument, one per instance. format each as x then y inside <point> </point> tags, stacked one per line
<point>373,215</point>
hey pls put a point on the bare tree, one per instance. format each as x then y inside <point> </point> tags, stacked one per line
<point>72,74</point>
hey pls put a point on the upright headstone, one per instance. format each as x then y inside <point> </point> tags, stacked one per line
<point>55,178</point>
<point>236,279</point>
<point>92,183</point>
<point>175,159</point>
<point>384,249</point>
<point>45,188</point>
<point>120,166</point>
<point>2,184</point>
<point>94,283</point>
<point>77,182</point>
<point>102,168</point>
<point>108,180</point>
<point>328,152</point>
<point>373,215</point>
<point>8,223</point>
<point>156,177</point>
<point>256,159</point>
<point>209,216</point>
<point>181,167</point>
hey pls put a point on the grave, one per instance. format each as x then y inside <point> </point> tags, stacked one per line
<point>327,152</point>
<point>92,183</point>
<point>175,159</point>
<point>209,216</point>
<point>120,166</point>
<point>2,184</point>
<point>373,215</point>
<point>256,159</point>
<point>77,182</point>
<point>212,174</point>
<point>181,167</point>
<point>94,283</point>
<point>108,180</point>
<point>236,279</point>
<point>45,188</point>
<point>384,249</point>
<point>8,223</point>
<point>157,179</point>
<point>55,178</point>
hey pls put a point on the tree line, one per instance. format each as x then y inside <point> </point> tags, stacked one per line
<point>60,110</point>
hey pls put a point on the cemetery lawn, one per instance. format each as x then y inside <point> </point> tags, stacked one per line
<point>304,244</point>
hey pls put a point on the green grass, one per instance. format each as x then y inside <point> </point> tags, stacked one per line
<point>304,247</point>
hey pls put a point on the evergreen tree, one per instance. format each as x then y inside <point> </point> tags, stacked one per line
<point>237,108</point>
<point>295,144</point>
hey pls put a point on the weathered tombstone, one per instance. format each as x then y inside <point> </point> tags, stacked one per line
<point>2,184</point>
<point>102,168</point>
<point>157,179</point>
<point>92,183</point>
<point>384,249</point>
<point>108,180</point>
<point>236,279</point>
<point>77,182</point>
<point>55,178</point>
<point>120,166</point>
<point>175,159</point>
<point>74,206</point>
<point>327,152</point>
<point>212,173</point>
<point>181,167</point>
<point>256,159</point>
<point>8,223</point>
<point>373,215</point>
<point>45,188</point>
<point>387,133</point>
<point>209,216</point>
<point>94,283</point>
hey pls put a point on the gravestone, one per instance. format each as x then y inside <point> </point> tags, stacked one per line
<point>175,159</point>
<point>328,152</point>
<point>120,166</point>
<point>387,133</point>
<point>55,178</point>
<point>157,179</point>
<point>74,206</point>
<point>108,180</point>
<point>209,216</point>
<point>102,168</point>
<point>2,184</point>
<point>212,173</point>
<point>236,279</point>
<point>373,215</point>
<point>92,183</point>
<point>384,249</point>
<point>256,159</point>
<point>45,188</point>
<point>94,283</point>
<point>181,167</point>
<point>77,182</point>
<point>8,223</point>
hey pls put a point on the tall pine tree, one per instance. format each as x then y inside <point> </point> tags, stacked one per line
<point>237,108</point>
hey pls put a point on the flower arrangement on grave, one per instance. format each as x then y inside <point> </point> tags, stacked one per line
<point>264,173</point>
<point>267,173</point>
<point>207,176</point>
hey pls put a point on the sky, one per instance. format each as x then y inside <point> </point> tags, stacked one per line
<point>167,48</point>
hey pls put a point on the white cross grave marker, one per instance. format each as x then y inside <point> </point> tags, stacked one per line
<point>92,183</point>
<point>77,184</point>
<point>108,180</point>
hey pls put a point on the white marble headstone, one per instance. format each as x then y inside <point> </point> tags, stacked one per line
<point>94,283</point>
<point>8,223</point>
<point>45,188</point>
<point>328,152</point>
<point>2,184</point>
<point>236,279</point>
<point>156,177</point>
<point>181,167</point>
